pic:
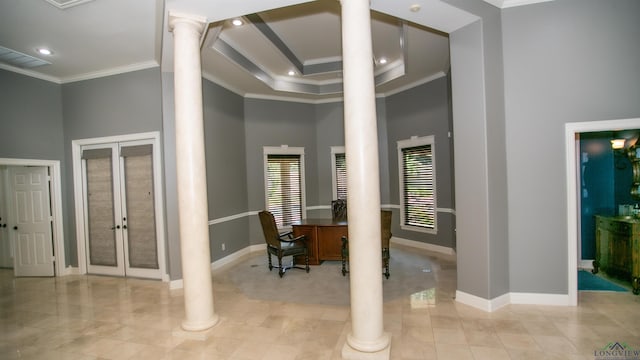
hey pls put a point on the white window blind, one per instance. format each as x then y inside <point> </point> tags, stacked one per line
<point>341,176</point>
<point>418,192</point>
<point>284,188</point>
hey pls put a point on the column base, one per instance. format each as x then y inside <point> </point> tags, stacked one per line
<point>349,353</point>
<point>199,331</point>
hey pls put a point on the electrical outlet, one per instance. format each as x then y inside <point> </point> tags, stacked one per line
<point>223,247</point>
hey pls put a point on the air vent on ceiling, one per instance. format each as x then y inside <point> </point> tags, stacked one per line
<point>65,4</point>
<point>15,58</point>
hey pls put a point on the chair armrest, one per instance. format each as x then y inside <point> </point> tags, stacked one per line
<point>345,242</point>
<point>298,238</point>
<point>288,234</point>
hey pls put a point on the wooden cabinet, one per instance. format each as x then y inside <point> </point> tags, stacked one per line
<point>324,238</point>
<point>618,248</point>
<point>330,244</point>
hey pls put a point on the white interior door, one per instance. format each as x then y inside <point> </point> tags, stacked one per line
<point>6,248</point>
<point>31,225</point>
<point>120,213</point>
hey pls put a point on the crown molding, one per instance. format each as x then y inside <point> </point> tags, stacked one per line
<point>30,73</point>
<point>112,71</point>
<point>503,4</point>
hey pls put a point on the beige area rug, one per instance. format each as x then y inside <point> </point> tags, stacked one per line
<point>324,284</point>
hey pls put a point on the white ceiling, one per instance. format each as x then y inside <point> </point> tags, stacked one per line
<point>96,38</point>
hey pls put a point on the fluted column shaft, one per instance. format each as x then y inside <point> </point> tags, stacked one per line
<point>363,181</point>
<point>191,173</point>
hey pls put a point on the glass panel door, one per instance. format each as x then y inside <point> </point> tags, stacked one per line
<point>104,238</point>
<point>120,215</point>
<point>138,213</point>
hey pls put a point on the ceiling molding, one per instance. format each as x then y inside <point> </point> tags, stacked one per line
<point>30,73</point>
<point>110,72</point>
<point>298,85</point>
<point>427,79</point>
<point>503,4</point>
<point>65,4</point>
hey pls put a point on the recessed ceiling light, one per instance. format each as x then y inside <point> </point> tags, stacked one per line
<point>44,51</point>
<point>414,8</point>
<point>236,22</point>
<point>291,72</point>
<point>382,61</point>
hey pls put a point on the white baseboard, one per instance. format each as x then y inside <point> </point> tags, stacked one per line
<point>511,298</point>
<point>424,246</point>
<point>176,284</point>
<point>70,270</point>
<point>220,263</point>
<point>540,299</point>
<point>231,258</point>
<point>585,264</point>
<point>481,303</point>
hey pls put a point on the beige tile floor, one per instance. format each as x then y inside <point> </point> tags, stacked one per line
<point>93,317</point>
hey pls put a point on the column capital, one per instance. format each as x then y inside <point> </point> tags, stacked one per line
<point>342,2</point>
<point>198,22</point>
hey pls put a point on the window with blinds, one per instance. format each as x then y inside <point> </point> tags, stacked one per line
<point>341,176</point>
<point>417,184</point>
<point>284,187</point>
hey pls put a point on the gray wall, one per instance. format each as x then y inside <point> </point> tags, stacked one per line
<point>174,262</point>
<point>31,126</point>
<point>423,111</point>
<point>478,97</point>
<point>330,132</point>
<point>115,105</point>
<point>565,61</point>
<point>31,118</point>
<point>275,123</point>
<point>226,171</point>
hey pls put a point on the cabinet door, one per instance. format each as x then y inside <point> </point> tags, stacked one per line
<point>620,253</point>
<point>330,242</point>
<point>602,247</point>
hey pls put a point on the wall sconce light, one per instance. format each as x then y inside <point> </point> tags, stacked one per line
<point>617,144</point>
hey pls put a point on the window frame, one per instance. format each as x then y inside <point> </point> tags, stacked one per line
<point>335,150</point>
<point>416,141</point>
<point>284,150</point>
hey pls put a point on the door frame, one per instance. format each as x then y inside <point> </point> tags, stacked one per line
<point>78,192</point>
<point>55,197</point>
<point>572,155</point>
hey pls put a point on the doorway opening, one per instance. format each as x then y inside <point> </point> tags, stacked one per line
<point>50,173</point>
<point>119,206</point>
<point>573,176</point>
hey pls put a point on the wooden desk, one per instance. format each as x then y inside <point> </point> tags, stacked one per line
<point>324,237</point>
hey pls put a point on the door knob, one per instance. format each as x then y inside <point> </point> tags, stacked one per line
<point>15,228</point>
<point>124,227</point>
<point>115,227</point>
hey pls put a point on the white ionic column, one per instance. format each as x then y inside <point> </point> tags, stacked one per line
<point>191,175</point>
<point>367,338</point>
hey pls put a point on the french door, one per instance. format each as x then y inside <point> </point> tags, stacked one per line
<point>120,218</point>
